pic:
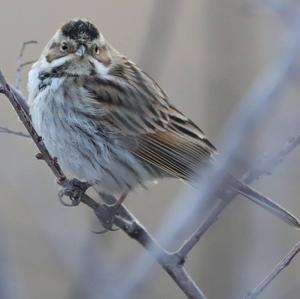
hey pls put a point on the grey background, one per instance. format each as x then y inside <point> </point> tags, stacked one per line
<point>205,54</point>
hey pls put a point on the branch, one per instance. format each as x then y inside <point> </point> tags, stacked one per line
<point>20,63</point>
<point>171,263</point>
<point>263,167</point>
<point>12,132</point>
<point>275,272</point>
<point>265,89</point>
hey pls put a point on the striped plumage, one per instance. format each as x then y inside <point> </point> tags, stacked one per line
<point>109,123</point>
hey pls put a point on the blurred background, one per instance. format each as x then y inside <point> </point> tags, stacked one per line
<point>205,54</point>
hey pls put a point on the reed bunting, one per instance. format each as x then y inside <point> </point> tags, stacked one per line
<point>110,124</point>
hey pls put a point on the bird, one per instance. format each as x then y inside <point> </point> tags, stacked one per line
<point>111,125</point>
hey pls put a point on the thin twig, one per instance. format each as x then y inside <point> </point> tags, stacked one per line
<point>9,131</point>
<point>275,272</point>
<point>262,167</point>
<point>171,263</point>
<point>27,63</point>
<point>20,63</point>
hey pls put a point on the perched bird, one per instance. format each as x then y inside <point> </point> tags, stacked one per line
<point>110,124</point>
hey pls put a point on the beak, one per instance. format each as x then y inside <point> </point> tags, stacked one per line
<point>81,50</point>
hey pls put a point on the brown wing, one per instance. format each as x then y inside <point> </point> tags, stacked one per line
<point>179,150</point>
<point>132,105</point>
<point>128,102</point>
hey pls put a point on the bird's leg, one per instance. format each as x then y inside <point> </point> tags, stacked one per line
<point>74,189</point>
<point>112,202</point>
<point>118,202</point>
<point>109,210</point>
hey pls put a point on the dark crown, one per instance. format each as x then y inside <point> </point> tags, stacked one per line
<point>80,30</point>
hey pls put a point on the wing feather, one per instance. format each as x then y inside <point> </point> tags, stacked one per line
<point>133,106</point>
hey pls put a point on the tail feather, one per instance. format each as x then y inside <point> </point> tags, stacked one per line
<point>264,202</point>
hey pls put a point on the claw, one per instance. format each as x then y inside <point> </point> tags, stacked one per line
<point>74,189</point>
<point>61,194</point>
<point>106,214</point>
<point>115,207</point>
<point>102,232</point>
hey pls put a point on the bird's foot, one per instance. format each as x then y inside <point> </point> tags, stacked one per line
<point>108,212</point>
<point>74,189</point>
<point>117,203</point>
<point>106,215</point>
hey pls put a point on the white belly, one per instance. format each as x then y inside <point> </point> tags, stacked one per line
<point>78,144</point>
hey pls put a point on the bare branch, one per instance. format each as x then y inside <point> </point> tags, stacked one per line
<point>275,272</point>
<point>20,63</point>
<point>265,90</point>
<point>263,167</point>
<point>9,131</point>
<point>27,63</point>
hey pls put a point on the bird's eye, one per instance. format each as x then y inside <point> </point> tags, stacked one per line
<point>97,50</point>
<point>64,47</point>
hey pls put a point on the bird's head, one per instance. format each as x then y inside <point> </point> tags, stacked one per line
<point>77,48</point>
